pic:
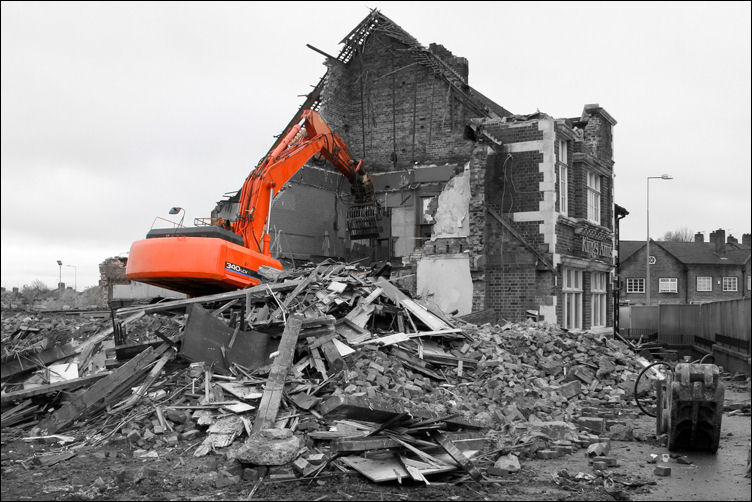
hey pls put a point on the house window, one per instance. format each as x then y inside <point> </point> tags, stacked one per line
<point>704,283</point>
<point>594,198</point>
<point>562,151</point>
<point>563,189</point>
<point>729,284</point>
<point>572,292</point>
<point>598,298</point>
<point>668,285</point>
<point>635,285</point>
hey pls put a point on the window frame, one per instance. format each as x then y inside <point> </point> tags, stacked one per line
<point>731,280</point>
<point>572,291</point>
<point>709,281</point>
<point>564,189</point>
<point>639,281</point>
<point>668,280</point>
<point>593,189</point>
<point>598,299</point>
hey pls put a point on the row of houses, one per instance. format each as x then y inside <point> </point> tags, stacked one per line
<point>686,272</point>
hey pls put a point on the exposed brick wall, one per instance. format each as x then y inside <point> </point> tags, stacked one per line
<point>565,239</point>
<point>383,103</point>
<point>598,137</point>
<point>513,182</point>
<point>479,222</point>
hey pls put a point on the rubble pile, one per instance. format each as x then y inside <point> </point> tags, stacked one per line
<point>25,334</point>
<point>328,365</point>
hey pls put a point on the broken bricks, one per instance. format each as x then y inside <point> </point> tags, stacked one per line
<point>392,401</point>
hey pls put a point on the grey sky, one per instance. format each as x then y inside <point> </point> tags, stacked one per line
<point>114,112</point>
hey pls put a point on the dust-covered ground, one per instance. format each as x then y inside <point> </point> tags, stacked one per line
<point>109,472</point>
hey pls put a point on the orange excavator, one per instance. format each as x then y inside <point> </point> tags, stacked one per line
<point>226,255</point>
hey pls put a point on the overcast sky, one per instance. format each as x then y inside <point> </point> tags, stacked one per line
<point>114,112</point>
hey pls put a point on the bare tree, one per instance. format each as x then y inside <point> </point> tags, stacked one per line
<point>34,291</point>
<point>683,234</point>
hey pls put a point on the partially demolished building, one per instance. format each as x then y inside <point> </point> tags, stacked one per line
<point>489,209</point>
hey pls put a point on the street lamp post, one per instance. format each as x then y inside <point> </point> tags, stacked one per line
<point>75,276</point>
<point>647,240</point>
<point>60,277</point>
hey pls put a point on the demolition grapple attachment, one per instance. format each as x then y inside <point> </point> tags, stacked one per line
<point>690,407</point>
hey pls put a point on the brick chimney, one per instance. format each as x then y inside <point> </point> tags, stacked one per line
<point>747,240</point>
<point>718,238</point>
<point>732,240</point>
<point>699,237</point>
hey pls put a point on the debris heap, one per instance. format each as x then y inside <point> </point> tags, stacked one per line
<point>331,365</point>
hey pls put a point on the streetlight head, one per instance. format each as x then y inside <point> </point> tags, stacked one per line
<point>666,177</point>
<point>59,262</point>
<point>175,210</point>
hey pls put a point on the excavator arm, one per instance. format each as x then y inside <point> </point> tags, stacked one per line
<point>302,141</point>
<point>205,260</point>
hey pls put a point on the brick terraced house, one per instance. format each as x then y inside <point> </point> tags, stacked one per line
<point>687,272</point>
<point>483,208</point>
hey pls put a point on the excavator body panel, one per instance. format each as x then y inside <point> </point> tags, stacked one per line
<point>195,265</point>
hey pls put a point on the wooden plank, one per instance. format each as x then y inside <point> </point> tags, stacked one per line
<point>457,455</point>
<point>295,292</point>
<point>15,409</point>
<point>150,379</point>
<point>30,362</point>
<point>333,357</point>
<point>403,337</point>
<point>226,306</point>
<point>416,364</point>
<point>380,410</point>
<point>413,470</point>
<point>241,390</point>
<point>400,298</point>
<point>269,406</point>
<point>342,348</point>
<point>360,315</point>
<point>318,363</point>
<point>10,397</point>
<point>102,389</point>
<point>256,292</point>
<point>363,444</point>
<point>351,331</point>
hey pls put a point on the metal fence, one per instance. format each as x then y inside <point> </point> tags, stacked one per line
<point>727,322</point>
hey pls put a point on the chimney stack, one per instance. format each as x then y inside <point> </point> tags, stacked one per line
<point>718,238</point>
<point>732,240</point>
<point>699,237</point>
<point>747,240</point>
